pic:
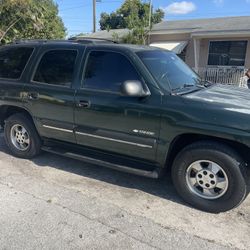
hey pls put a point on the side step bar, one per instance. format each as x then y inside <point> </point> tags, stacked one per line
<point>150,174</point>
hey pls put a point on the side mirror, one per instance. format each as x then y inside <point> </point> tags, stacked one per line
<point>134,88</point>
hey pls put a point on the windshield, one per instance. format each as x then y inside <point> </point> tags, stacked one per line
<point>169,70</point>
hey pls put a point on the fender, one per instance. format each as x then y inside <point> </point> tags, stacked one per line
<point>169,134</point>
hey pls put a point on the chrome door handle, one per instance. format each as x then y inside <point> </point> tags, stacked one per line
<point>32,96</point>
<point>83,104</point>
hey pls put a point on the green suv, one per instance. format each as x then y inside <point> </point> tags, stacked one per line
<point>137,109</point>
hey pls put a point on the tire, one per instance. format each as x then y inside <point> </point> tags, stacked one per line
<point>31,146</point>
<point>221,189</point>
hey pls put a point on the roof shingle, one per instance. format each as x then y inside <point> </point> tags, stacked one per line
<point>204,25</point>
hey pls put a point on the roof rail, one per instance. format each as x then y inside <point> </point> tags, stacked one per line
<point>90,40</point>
<point>80,40</point>
<point>20,41</point>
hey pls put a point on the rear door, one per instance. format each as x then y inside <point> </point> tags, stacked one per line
<point>108,121</point>
<point>49,95</point>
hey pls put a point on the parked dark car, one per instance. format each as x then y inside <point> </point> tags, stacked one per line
<point>134,108</point>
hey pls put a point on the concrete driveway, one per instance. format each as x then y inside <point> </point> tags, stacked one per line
<point>52,202</point>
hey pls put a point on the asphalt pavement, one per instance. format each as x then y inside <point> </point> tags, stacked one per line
<point>52,202</point>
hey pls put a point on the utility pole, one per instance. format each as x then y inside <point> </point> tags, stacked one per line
<point>149,20</point>
<point>94,16</point>
<point>150,14</point>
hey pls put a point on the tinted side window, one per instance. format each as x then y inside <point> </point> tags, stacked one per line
<point>13,61</point>
<point>56,67</point>
<point>108,70</point>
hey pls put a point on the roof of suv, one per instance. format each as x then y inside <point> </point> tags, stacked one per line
<point>83,42</point>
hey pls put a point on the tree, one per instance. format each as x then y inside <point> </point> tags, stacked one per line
<point>30,19</point>
<point>134,15</point>
<point>133,10</point>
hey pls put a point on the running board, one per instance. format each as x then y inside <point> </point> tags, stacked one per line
<point>150,174</point>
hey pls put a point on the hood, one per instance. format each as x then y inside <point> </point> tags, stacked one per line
<point>228,98</point>
<point>219,105</point>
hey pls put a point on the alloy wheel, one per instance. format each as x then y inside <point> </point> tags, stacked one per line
<point>207,179</point>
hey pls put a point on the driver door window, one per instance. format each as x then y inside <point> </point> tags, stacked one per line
<point>106,71</point>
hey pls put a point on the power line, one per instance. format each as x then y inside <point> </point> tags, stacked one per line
<point>75,7</point>
<point>75,19</point>
<point>88,4</point>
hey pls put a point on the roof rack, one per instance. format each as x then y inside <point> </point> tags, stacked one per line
<point>81,40</point>
<point>94,40</point>
<point>21,41</point>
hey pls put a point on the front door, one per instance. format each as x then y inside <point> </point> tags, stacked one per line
<point>107,120</point>
<point>49,96</point>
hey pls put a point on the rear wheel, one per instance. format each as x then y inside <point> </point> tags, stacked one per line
<point>21,136</point>
<point>210,176</point>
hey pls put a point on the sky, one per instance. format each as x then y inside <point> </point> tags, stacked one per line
<point>77,14</point>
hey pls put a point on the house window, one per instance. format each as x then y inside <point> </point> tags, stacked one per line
<point>227,53</point>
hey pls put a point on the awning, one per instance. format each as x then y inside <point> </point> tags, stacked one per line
<point>176,47</point>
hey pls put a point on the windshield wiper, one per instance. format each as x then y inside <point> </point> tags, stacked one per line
<point>184,86</point>
<point>206,83</point>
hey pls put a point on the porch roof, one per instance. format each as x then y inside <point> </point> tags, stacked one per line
<point>176,47</point>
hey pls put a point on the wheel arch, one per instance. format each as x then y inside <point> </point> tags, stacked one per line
<point>8,110</point>
<point>183,140</point>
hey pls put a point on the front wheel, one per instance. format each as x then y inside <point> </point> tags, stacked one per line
<point>21,136</point>
<point>210,176</point>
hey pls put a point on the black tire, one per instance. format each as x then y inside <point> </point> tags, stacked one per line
<point>34,146</point>
<point>230,162</point>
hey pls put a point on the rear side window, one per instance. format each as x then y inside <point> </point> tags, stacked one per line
<point>108,70</point>
<point>56,67</point>
<point>13,61</point>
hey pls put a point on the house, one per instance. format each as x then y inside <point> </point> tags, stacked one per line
<point>113,34</point>
<point>217,48</point>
